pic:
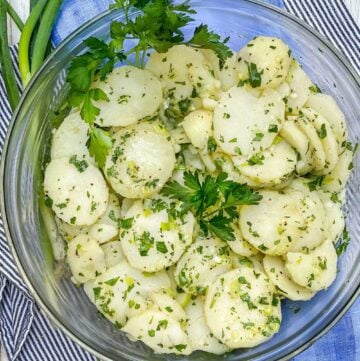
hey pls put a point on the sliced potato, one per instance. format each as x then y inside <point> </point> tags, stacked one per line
<point>271,56</point>
<point>253,262</point>
<point>69,231</point>
<point>298,140</point>
<point>312,232</point>
<point>300,85</point>
<point>278,274</point>
<point>163,302</point>
<point>104,229</point>
<point>239,245</point>
<point>240,309</point>
<point>316,148</point>
<point>336,180</point>
<point>273,225</point>
<point>327,107</point>
<point>197,126</point>
<point>70,139</point>
<point>113,253</point>
<point>272,165</point>
<point>316,270</point>
<point>121,291</point>
<point>283,90</point>
<point>133,94</point>
<point>79,196</point>
<point>86,258</point>
<point>227,74</point>
<point>141,160</point>
<point>326,136</point>
<point>245,124</point>
<point>226,164</point>
<point>181,70</point>
<point>334,219</point>
<point>159,331</point>
<point>199,334</point>
<point>156,240</point>
<point>201,264</point>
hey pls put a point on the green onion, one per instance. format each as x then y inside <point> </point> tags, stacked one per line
<point>13,14</point>
<point>44,32</point>
<point>5,59</point>
<point>24,44</point>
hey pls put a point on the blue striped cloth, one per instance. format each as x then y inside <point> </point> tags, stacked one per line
<point>27,335</point>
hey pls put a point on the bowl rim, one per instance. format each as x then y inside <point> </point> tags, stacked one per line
<point>43,307</point>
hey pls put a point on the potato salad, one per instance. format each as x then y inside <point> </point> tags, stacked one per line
<point>220,195</point>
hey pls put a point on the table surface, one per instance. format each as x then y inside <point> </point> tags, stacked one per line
<point>22,7</point>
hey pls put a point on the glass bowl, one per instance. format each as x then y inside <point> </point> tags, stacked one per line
<point>27,146</point>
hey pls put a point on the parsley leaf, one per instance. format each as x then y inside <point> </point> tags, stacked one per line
<point>343,243</point>
<point>315,182</point>
<point>99,144</point>
<point>322,133</point>
<point>213,200</point>
<point>254,75</point>
<point>80,165</point>
<point>206,39</point>
<point>219,226</point>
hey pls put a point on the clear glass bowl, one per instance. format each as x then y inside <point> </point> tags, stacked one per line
<point>27,147</point>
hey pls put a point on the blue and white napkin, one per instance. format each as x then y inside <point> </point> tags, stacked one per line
<point>26,334</point>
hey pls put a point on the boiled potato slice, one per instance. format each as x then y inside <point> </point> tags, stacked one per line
<point>271,56</point>
<point>121,291</point>
<point>197,126</point>
<point>298,140</point>
<point>79,196</point>
<point>245,124</point>
<point>312,232</point>
<point>283,90</point>
<point>241,308</point>
<point>104,229</point>
<point>70,139</point>
<point>334,219</point>
<point>316,270</point>
<point>103,232</point>
<point>199,334</point>
<point>254,262</point>
<point>336,180</point>
<point>227,74</point>
<point>272,165</point>
<point>85,257</point>
<point>300,85</point>
<point>163,302</point>
<point>278,274</point>
<point>272,225</point>
<point>326,136</point>
<point>133,94</point>
<point>181,70</point>
<point>201,264</point>
<point>113,253</point>
<point>226,164</point>
<point>68,231</point>
<point>159,331</point>
<point>316,148</point>
<point>327,107</point>
<point>141,160</point>
<point>239,245</point>
<point>156,240</point>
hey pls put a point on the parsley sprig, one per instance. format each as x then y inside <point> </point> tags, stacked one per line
<point>159,26</point>
<point>213,200</point>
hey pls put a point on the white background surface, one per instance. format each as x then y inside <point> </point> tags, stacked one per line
<point>22,7</point>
